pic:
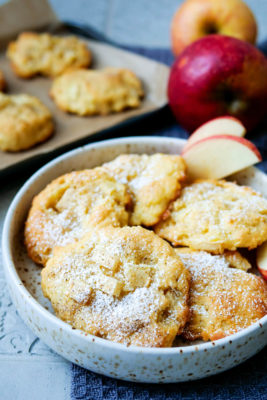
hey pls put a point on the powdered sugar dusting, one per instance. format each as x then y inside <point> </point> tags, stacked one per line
<point>202,259</point>
<point>223,300</point>
<point>67,208</point>
<point>216,215</point>
<point>127,315</point>
<point>62,228</point>
<point>124,286</point>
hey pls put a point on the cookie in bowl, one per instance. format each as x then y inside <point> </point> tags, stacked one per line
<point>123,284</point>
<point>190,360</point>
<point>67,207</point>
<point>223,300</point>
<point>91,92</point>
<point>153,181</point>
<point>46,54</point>
<point>24,122</point>
<point>216,216</point>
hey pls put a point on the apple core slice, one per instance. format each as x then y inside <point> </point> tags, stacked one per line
<point>217,126</point>
<point>219,156</point>
<point>261,259</point>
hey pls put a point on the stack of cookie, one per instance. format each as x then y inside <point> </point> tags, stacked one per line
<point>26,121</point>
<point>134,253</point>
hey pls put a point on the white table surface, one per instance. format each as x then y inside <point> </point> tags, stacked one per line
<point>28,368</point>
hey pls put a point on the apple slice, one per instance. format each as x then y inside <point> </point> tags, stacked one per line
<point>216,157</point>
<point>261,259</point>
<point>217,126</point>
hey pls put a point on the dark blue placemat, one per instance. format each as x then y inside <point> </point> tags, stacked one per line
<point>245,382</point>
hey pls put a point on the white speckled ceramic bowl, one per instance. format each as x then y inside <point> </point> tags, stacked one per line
<point>177,364</point>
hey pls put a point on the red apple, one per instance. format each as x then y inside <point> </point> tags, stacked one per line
<point>261,259</point>
<point>198,18</point>
<point>217,126</point>
<point>219,156</point>
<point>218,75</point>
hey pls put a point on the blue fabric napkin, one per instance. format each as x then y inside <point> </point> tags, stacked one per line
<point>245,382</point>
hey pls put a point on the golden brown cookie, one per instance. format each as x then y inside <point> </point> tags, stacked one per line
<point>24,122</point>
<point>85,92</point>
<point>222,300</point>
<point>216,216</point>
<point>46,54</point>
<point>153,181</point>
<point>122,284</point>
<point>71,205</point>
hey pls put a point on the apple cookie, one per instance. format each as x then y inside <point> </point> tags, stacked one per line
<point>71,205</point>
<point>45,54</point>
<point>222,300</point>
<point>85,92</point>
<point>153,181</point>
<point>122,284</point>
<point>24,122</point>
<point>216,216</point>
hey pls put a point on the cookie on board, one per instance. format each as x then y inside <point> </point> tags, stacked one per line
<point>90,92</point>
<point>46,54</point>
<point>24,122</point>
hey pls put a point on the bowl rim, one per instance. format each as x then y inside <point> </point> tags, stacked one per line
<point>12,274</point>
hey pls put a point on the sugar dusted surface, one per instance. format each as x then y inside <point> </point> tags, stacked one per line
<point>153,181</point>
<point>216,215</point>
<point>138,286</point>
<point>84,296</point>
<point>69,206</point>
<point>223,300</point>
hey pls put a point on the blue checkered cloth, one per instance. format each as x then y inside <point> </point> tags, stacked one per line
<point>245,382</point>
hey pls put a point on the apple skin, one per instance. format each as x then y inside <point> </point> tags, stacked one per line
<point>198,18</point>
<point>218,126</point>
<point>216,76</point>
<point>241,140</point>
<point>216,157</point>
<point>261,259</point>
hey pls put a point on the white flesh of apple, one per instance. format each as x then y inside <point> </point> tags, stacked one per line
<point>217,157</point>
<point>262,259</point>
<point>218,126</point>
